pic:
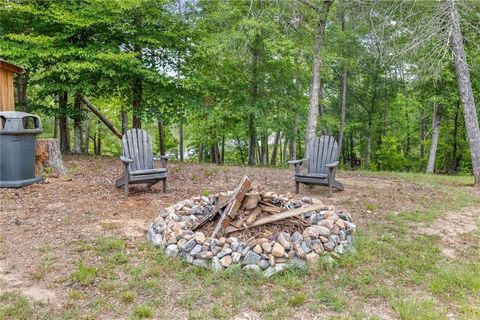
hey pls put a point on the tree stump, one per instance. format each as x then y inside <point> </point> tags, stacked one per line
<point>48,158</point>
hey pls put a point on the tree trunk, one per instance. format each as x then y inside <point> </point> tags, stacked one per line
<point>316,87</point>
<point>137,89</point>
<point>222,161</point>
<point>200,153</point>
<point>264,151</point>
<point>252,144</point>
<point>273,160</point>
<point>86,141</point>
<point>63,122</point>
<point>435,135</point>
<point>292,143</point>
<point>453,167</point>
<point>55,127</point>
<point>161,133</point>
<point>124,116</point>
<point>255,87</point>
<point>22,98</point>
<point>343,109</point>
<point>369,142</point>
<point>77,125</point>
<point>98,135</point>
<point>48,156</point>
<point>180,141</point>
<point>422,134</point>
<point>465,90</point>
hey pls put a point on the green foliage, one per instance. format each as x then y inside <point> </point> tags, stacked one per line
<point>233,71</point>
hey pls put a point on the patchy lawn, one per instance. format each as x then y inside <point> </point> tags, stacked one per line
<point>75,248</point>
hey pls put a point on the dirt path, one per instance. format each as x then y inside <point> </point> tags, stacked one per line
<point>451,226</point>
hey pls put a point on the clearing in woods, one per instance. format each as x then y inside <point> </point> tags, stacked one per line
<point>76,249</point>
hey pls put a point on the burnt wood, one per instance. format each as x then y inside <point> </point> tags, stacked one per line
<point>322,165</point>
<point>137,157</point>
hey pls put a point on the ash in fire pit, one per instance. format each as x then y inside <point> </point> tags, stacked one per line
<point>252,228</point>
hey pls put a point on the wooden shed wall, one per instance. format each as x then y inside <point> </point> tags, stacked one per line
<point>7,100</point>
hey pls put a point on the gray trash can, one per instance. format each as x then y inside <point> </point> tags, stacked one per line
<point>18,135</point>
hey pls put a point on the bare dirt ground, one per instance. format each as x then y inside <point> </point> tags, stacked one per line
<point>40,222</point>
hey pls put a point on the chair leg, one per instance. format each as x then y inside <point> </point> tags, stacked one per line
<point>126,185</point>
<point>165,185</point>
<point>330,186</point>
<point>297,187</point>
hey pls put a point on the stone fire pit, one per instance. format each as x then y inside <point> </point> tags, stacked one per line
<point>185,230</point>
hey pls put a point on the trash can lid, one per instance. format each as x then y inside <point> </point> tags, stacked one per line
<point>16,122</point>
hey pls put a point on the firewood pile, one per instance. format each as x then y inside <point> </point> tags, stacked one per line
<point>252,227</point>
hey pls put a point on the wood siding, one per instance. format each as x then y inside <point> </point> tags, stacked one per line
<point>7,100</point>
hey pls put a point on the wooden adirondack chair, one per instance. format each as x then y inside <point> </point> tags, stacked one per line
<point>322,165</point>
<point>137,157</point>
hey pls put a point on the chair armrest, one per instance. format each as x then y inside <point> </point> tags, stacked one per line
<point>297,161</point>
<point>126,160</point>
<point>332,165</point>
<point>160,158</point>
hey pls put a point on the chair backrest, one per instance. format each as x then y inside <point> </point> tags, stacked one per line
<point>137,145</point>
<point>323,151</point>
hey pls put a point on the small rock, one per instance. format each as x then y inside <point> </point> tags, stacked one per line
<point>232,240</point>
<point>326,223</point>
<point>271,259</point>
<point>181,242</point>
<point>329,246</point>
<point>315,231</point>
<point>299,250</point>
<point>266,247</point>
<point>172,250</point>
<point>342,235</point>
<point>284,239</point>
<point>317,246</point>
<point>340,224</point>
<point>245,251</point>
<point>323,239</point>
<point>306,246</point>
<point>312,259</point>
<point>344,216</point>
<point>200,263</point>
<point>185,256</point>
<point>264,264</point>
<point>306,200</point>
<point>234,246</point>
<point>340,248</point>
<point>257,249</point>
<point>213,244</point>
<point>155,238</point>
<point>297,237</point>
<point>298,263</point>
<point>178,206</point>
<point>205,199</point>
<point>226,261</point>
<point>216,265</point>
<point>198,209</point>
<point>335,229</point>
<point>274,269</point>
<point>236,257</point>
<point>278,250</point>
<point>189,245</point>
<point>335,239</point>
<point>224,252</point>
<point>316,217</point>
<point>251,258</point>
<point>205,255</point>
<point>350,239</point>
<point>221,241</point>
<point>251,267</point>
<point>199,237</point>
<point>196,250</point>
